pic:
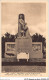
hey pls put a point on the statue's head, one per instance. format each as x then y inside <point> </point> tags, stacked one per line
<point>21,16</point>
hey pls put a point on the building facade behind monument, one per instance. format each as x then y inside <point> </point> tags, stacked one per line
<point>10,51</point>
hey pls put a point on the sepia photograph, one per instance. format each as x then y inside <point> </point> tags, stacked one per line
<point>23,37</point>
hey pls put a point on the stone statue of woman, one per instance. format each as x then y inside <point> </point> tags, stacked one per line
<point>23,28</point>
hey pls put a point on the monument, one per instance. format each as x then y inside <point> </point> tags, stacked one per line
<point>23,43</point>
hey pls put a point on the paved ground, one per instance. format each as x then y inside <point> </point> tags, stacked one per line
<point>36,65</point>
<point>24,68</point>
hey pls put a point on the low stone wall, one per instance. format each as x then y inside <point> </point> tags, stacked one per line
<point>30,60</point>
<point>9,60</point>
<point>37,60</point>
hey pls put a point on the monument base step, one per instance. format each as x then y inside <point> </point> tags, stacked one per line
<point>30,60</point>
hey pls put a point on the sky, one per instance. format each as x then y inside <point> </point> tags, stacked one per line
<point>35,17</point>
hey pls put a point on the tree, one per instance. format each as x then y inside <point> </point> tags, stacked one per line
<point>39,38</point>
<point>3,46</point>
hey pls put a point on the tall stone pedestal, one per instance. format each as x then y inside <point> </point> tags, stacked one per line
<point>24,44</point>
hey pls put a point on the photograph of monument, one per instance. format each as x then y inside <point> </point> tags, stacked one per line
<point>23,44</point>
